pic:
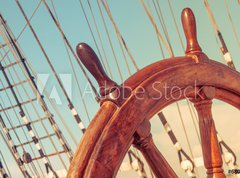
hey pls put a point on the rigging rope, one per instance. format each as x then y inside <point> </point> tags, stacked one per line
<point>162,22</point>
<point>175,23</point>
<point>28,124</point>
<point>53,105</point>
<point>155,27</point>
<point>118,33</point>
<point>71,49</point>
<point>38,116</point>
<point>70,104</point>
<point>61,141</point>
<point>23,115</point>
<point>6,132</point>
<point>100,39</point>
<point>51,102</point>
<point>10,122</point>
<point>38,95</point>
<point>232,24</point>
<point>110,41</point>
<point>121,46</point>
<point>25,26</point>
<point>72,66</point>
<point>14,150</point>
<point>223,47</point>
<point>91,31</point>
<point>189,169</point>
<point>172,55</point>
<point>3,171</point>
<point>161,19</point>
<point>158,39</point>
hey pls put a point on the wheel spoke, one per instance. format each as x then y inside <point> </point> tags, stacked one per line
<point>144,142</point>
<point>210,146</point>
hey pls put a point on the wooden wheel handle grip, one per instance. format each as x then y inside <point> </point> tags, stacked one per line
<point>190,30</point>
<point>90,60</point>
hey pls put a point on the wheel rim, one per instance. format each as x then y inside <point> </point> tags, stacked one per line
<point>108,150</point>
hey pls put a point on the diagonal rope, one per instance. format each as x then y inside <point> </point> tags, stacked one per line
<point>119,34</point>
<point>232,24</point>
<point>155,27</point>
<point>100,39</point>
<point>72,66</point>
<point>110,41</point>
<point>223,46</point>
<point>24,27</point>
<point>70,104</point>
<point>34,88</point>
<point>91,31</point>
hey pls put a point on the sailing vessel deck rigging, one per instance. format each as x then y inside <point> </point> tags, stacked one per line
<point>28,124</point>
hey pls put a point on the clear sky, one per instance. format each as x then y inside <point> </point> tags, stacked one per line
<point>138,34</point>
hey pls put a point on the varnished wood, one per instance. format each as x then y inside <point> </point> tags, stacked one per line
<point>210,147</point>
<point>117,135</point>
<point>89,139</point>
<point>109,90</point>
<point>144,142</point>
<point>103,147</point>
<point>90,60</point>
<point>209,142</point>
<point>190,30</point>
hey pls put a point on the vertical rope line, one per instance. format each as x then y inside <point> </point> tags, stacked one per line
<point>70,104</point>
<point>172,55</point>
<point>100,39</point>
<point>155,27</point>
<point>213,22</point>
<point>223,46</point>
<point>25,117</point>
<point>53,124</point>
<point>158,39</point>
<point>25,26</point>
<point>19,122</point>
<point>5,164</point>
<point>91,31</point>
<point>121,46</point>
<point>178,107</point>
<point>73,69</point>
<point>16,157</point>
<point>162,22</point>
<point>71,49</point>
<point>185,133</point>
<point>193,120</point>
<point>232,24</point>
<point>119,34</point>
<point>175,22</point>
<point>110,41</point>
<point>35,89</point>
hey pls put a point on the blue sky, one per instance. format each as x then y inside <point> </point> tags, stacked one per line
<point>134,26</point>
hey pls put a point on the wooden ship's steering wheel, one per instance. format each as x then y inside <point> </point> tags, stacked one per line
<point>123,118</point>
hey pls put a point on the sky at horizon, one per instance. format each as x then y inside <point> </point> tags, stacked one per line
<point>140,37</point>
